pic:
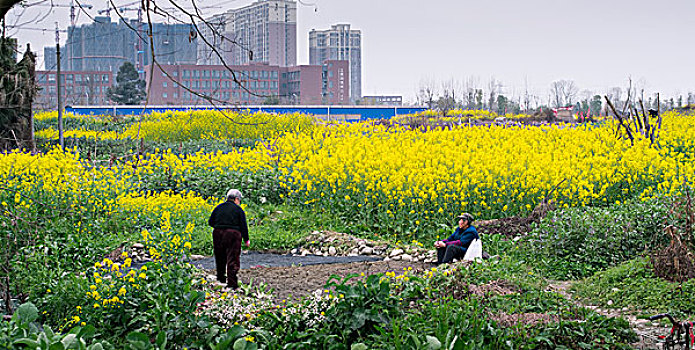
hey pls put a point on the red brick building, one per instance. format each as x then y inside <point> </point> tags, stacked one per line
<point>250,84</point>
<point>78,88</point>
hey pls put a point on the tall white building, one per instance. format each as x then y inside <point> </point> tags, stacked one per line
<point>265,31</point>
<point>339,43</point>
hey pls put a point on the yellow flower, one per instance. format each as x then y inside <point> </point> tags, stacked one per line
<point>187,245</point>
<point>249,338</point>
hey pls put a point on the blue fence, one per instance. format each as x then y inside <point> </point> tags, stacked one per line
<point>331,113</point>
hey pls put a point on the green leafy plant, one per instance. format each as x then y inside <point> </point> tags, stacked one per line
<point>21,332</point>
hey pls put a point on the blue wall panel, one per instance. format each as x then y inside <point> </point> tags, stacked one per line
<point>351,113</point>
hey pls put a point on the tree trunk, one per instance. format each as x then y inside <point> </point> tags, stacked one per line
<point>17,91</point>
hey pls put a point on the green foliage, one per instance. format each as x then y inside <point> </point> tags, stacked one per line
<point>634,285</point>
<point>449,324</point>
<point>22,332</point>
<point>258,186</point>
<point>130,89</point>
<point>364,306</point>
<point>577,242</point>
<point>595,332</point>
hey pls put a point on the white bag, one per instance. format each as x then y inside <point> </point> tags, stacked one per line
<point>475,251</point>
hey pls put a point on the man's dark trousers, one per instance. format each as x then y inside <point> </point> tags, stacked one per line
<point>227,248</point>
<point>449,253</point>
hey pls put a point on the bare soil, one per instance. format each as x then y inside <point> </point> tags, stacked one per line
<point>294,282</point>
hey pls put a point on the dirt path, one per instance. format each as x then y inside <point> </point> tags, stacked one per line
<point>251,260</point>
<point>646,330</point>
<point>292,277</point>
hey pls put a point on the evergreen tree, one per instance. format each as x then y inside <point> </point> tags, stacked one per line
<point>129,89</point>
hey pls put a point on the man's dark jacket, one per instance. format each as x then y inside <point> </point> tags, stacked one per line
<point>462,238</point>
<point>229,215</point>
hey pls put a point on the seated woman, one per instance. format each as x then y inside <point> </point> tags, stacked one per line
<point>456,245</point>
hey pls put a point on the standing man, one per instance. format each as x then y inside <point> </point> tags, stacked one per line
<point>456,245</point>
<point>228,221</point>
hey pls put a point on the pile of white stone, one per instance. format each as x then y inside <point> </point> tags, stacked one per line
<point>327,243</point>
<point>138,253</point>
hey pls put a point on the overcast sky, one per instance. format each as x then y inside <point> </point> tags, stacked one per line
<point>597,43</point>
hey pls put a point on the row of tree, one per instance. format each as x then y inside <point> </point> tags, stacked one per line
<point>470,94</point>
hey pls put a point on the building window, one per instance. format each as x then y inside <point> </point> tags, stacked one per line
<point>164,94</point>
<point>164,84</point>
<point>176,73</point>
<point>105,78</point>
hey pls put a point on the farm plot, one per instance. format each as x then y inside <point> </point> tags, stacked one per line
<point>65,212</point>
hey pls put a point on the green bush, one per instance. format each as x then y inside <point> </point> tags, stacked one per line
<point>22,332</point>
<point>578,242</point>
<point>634,285</point>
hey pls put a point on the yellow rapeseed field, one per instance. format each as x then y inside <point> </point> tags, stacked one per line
<point>383,173</point>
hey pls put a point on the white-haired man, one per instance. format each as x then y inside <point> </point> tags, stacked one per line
<point>228,221</point>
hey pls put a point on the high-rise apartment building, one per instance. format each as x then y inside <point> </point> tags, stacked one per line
<point>339,43</point>
<point>104,45</point>
<point>263,32</point>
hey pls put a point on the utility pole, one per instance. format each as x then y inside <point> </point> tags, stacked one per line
<point>60,100</point>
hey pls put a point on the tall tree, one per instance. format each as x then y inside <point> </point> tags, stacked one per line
<point>563,92</point>
<point>6,5</point>
<point>495,87</point>
<point>427,92</point>
<point>17,91</point>
<point>596,104</point>
<point>129,89</point>
<point>502,102</point>
<point>556,93</point>
<point>478,98</point>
